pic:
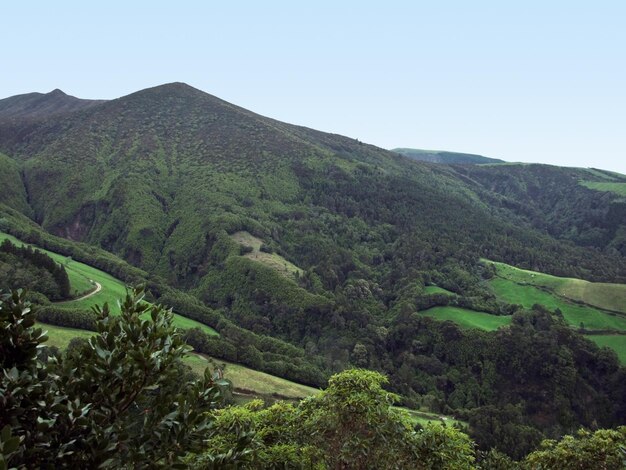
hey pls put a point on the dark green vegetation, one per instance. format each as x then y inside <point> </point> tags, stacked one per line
<point>310,253</point>
<point>125,399</point>
<point>120,399</point>
<point>32,106</point>
<point>438,156</point>
<point>566,203</point>
<point>33,269</point>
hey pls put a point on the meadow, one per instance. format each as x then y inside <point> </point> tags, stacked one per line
<point>466,318</point>
<point>581,302</point>
<point>526,295</point>
<point>272,260</point>
<point>437,290</point>
<point>613,187</point>
<point>82,276</point>
<point>605,296</point>
<point>245,379</point>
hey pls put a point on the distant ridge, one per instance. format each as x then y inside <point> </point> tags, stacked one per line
<point>35,106</point>
<point>437,156</point>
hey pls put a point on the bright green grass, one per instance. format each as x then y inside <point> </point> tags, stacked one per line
<point>423,417</point>
<point>617,188</point>
<point>574,314</point>
<point>253,380</point>
<point>437,290</point>
<point>242,377</point>
<point>467,318</point>
<point>60,336</point>
<point>616,342</point>
<point>599,294</point>
<point>112,291</point>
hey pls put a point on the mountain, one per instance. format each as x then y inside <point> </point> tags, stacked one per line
<point>438,156</point>
<point>330,246</point>
<point>41,106</point>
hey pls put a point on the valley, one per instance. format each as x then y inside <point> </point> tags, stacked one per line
<point>486,291</point>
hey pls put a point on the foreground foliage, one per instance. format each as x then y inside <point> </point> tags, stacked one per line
<point>351,424</point>
<point>124,400</point>
<point>121,398</point>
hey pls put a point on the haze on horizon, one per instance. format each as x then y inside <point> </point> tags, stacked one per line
<point>528,82</point>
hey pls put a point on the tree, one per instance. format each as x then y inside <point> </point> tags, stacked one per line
<point>353,425</point>
<point>604,449</point>
<point>120,399</point>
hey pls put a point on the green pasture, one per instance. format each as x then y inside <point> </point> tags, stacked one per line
<point>112,290</point>
<point>598,294</point>
<point>612,187</point>
<point>242,377</point>
<point>467,318</point>
<point>574,314</point>
<point>60,336</point>
<point>423,417</point>
<point>437,290</point>
<point>254,381</point>
<point>79,278</point>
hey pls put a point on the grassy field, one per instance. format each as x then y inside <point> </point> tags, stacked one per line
<point>422,417</point>
<point>598,294</point>
<point>616,342</point>
<point>60,336</point>
<point>574,314</point>
<point>272,260</point>
<point>82,275</point>
<point>467,318</point>
<point>437,290</point>
<point>519,286</point>
<point>612,187</point>
<point>252,380</point>
<point>242,377</point>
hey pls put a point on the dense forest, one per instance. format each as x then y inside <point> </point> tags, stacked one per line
<point>124,399</point>
<point>23,267</point>
<point>312,253</point>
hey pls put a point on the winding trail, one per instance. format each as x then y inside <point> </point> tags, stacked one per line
<point>93,292</point>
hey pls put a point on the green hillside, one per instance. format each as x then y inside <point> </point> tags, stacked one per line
<point>83,280</point>
<point>602,295</point>
<point>617,188</point>
<point>558,201</point>
<point>589,306</point>
<point>311,253</point>
<point>467,318</point>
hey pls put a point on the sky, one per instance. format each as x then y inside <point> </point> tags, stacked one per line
<point>533,81</point>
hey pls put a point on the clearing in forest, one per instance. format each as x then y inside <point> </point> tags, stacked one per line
<point>272,260</point>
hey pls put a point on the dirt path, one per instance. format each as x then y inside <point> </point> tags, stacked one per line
<point>94,292</point>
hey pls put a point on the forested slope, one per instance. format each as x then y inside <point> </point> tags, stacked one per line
<point>169,178</point>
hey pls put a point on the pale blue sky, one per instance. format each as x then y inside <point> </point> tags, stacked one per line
<point>537,81</point>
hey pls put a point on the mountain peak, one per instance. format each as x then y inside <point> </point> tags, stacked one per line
<point>57,92</point>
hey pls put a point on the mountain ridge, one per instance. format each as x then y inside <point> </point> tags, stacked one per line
<point>35,106</point>
<point>444,156</point>
<point>170,178</point>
